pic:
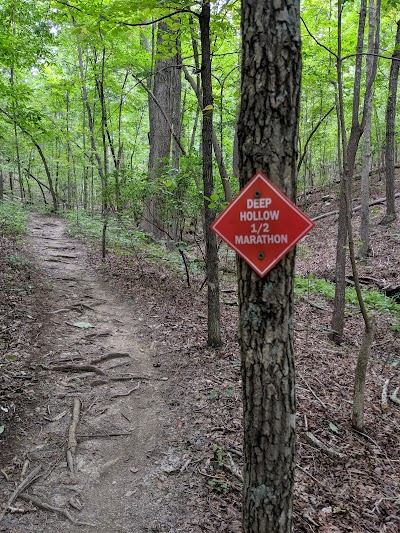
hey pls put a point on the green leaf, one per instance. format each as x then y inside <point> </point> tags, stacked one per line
<point>2,428</point>
<point>12,357</point>
<point>334,428</point>
<point>83,325</point>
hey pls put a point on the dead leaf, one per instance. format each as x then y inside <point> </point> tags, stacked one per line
<point>160,485</point>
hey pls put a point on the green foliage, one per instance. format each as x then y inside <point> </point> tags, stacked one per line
<point>18,260</point>
<point>12,218</point>
<point>373,299</point>
<point>218,482</point>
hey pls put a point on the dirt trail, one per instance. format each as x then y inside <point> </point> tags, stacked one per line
<point>122,454</point>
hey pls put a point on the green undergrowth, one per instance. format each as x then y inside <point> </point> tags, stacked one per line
<point>374,300</point>
<point>13,218</point>
<point>124,239</point>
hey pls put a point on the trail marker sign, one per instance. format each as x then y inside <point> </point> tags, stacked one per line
<point>261,224</point>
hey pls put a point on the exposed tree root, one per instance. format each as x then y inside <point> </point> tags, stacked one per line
<point>25,483</point>
<point>74,368</point>
<point>384,397</point>
<point>108,356</point>
<point>395,399</point>
<point>59,510</point>
<point>72,442</point>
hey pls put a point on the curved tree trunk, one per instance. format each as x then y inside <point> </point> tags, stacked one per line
<point>349,158</point>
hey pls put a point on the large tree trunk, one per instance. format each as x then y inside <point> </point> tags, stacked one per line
<point>267,135</point>
<point>390,130</point>
<point>214,321</point>
<point>160,111</point>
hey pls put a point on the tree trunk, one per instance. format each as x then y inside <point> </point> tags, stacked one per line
<point>90,118</point>
<point>160,108</point>
<point>390,131</point>
<point>1,186</point>
<point>349,157</point>
<point>267,134</point>
<point>214,320</point>
<point>371,67</point>
<point>216,146</point>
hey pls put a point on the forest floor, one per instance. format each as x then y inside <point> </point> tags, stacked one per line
<point>158,414</point>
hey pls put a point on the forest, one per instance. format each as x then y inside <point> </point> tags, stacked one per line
<point>125,132</point>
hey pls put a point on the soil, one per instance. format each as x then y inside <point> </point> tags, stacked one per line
<point>167,456</point>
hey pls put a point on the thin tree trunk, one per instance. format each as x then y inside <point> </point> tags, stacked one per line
<point>216,146</point>
<point>371,68</point>
<point>390,131</point>
<point>86,102</point>
<point>214,319</point>
<point>1,186</point>
<point>349,157</point>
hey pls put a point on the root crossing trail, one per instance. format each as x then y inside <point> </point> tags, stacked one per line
<point>99,434</point>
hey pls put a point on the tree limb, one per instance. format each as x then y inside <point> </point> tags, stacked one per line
<point>171,127</point>
<point>332,213</point>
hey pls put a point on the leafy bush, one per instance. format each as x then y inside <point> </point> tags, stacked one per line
<point>372,298</point>
<point>12,218</point>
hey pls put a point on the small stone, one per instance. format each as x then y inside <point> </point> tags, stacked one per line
<point>134,470</point>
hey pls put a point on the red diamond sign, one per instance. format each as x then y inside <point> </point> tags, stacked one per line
<point>261,224</point>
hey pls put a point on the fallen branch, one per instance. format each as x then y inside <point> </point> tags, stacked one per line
<point>310,475</point>
<point>312,392</point>
<point>59,510</point>
<point>30,478</point>
<point>384,397</point>
<point>395,399</point>
<point>72,442</point>
<point>319,444</point>
<point>332,213</point>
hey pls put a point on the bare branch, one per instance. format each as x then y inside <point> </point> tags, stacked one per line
<point>316,40</point>
<point>130,24</point>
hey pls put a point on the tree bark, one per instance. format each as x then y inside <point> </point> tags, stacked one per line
<point>211,256</point>
<point>390,131</point>
<point>1,186</point>
<point>216,146</point>
<point>371,67</point>
<point>349,149</point>
<point>160,110</point>
<point>267,137</point>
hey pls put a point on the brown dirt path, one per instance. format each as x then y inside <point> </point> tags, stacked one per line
<point>122,454</point>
